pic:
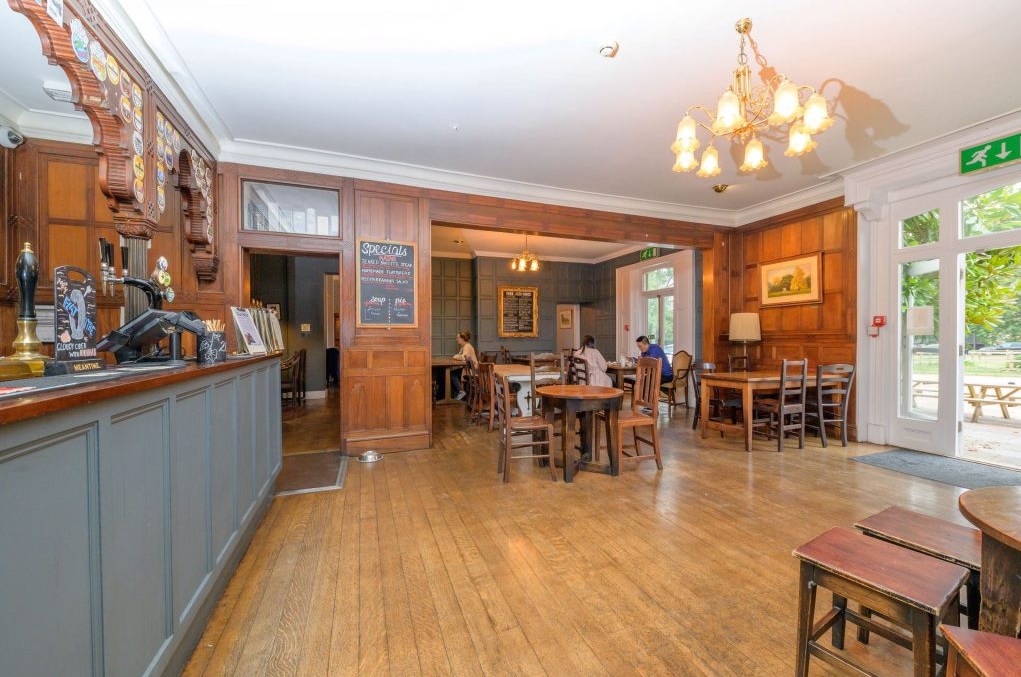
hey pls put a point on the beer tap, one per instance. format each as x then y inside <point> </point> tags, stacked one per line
<point>156,288</point>
<point>104,269</point>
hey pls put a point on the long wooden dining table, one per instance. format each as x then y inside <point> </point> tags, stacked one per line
<point>749,383</point>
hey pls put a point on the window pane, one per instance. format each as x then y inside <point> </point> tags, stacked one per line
<point>290,209</point>
<point>992,306</point>
<point>668,326</point>
<point>919,327</point>
<point>661,278</point>
<point>652,318</point>
<point>993,212</point>
<point>920,229</point>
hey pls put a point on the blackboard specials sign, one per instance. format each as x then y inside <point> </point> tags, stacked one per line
<point>387,270</point>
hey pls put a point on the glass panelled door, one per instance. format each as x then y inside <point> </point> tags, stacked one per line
<point>658,318</point>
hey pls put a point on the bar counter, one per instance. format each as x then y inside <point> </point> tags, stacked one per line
<point>125,506</point>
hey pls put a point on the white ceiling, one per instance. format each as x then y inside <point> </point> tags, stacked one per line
<point>514,100</point>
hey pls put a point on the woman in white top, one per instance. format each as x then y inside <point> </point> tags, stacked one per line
<point>597,375</point>
<point>467,355</point>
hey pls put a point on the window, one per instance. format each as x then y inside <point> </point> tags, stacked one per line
<point>290,209</point>
<point>658,298</point>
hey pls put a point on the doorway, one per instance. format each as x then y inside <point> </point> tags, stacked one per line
<point>957,267</point>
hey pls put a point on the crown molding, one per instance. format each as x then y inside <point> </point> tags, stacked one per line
<point>72,127</point>
<point>790,202</point>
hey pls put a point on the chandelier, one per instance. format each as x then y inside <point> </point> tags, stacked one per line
<point>744,112</point>
<point>525,260</point>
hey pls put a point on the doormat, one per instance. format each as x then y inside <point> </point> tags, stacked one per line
<point>306,473</point>
<point>953,471</point>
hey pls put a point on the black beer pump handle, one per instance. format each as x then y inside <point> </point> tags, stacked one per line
<point>109,256</point>
<point>102,251</point>
<point>124,258</point>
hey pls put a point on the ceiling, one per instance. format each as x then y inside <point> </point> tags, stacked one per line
<point>514,100</point>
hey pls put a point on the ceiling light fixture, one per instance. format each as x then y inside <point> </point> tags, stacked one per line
<point>744,112</point>
<point>525,260</point>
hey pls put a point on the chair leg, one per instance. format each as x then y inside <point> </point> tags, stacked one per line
<point>655,447</point>
<point>806,616</point>
<point>801,431</point>
<point>549,452</point>
<point>822,424</point>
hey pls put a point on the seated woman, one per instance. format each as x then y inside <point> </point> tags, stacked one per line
<point>597,375</point>
<point>466,355</point>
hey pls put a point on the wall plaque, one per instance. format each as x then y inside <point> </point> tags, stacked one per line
<point>387,270</point>
<point>518,312</point>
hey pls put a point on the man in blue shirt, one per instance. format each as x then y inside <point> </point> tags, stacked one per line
<point>653,350</point>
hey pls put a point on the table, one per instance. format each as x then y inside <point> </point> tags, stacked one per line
<point>522,375</point>
<point>748,382</point>
<point>996,511</point>
<point>977,392</point>
<point>619,371</point>
<point>447,364</point>
<point>585,400</point>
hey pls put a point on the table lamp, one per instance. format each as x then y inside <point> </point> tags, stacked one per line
<point>744,328</point>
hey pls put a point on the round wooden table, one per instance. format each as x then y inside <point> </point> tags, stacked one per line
<point>584,400</point>
<point>996,511</point>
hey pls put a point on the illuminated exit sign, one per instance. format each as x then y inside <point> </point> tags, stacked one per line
<point>650,253</point>
<point>991,153</point>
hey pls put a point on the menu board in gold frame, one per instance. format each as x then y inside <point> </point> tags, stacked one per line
<point>518,312</point>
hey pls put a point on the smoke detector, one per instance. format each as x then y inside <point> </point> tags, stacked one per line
<point>609,49</point>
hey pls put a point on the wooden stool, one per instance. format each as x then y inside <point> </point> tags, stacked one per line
<point>935,537</point>
<point>981,654</point>
<point>911,590</point>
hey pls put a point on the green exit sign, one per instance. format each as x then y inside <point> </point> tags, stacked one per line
<point>991,153</point>
<point>650,253</point>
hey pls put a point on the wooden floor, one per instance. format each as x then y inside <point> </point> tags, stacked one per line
<point>425,563</point>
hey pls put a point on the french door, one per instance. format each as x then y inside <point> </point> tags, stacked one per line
<point>938,242</point>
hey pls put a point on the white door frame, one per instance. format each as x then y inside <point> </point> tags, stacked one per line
<point>629,313</point>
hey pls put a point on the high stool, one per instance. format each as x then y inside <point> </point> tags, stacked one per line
<point>954,543</point>
<point>909,589</point>
<point>981,654</point>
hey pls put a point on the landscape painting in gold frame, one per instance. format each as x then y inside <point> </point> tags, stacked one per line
<point>791,281</point>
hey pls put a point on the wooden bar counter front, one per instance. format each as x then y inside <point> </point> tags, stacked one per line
<point>125,506</point>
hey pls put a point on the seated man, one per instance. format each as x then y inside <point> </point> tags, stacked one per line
<point>652,350</point>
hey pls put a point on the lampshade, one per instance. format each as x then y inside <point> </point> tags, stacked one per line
<point>710,163</point>
<point>745,327</point>
<point>753,156</point>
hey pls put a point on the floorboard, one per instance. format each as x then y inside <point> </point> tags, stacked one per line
<point>426,563</point>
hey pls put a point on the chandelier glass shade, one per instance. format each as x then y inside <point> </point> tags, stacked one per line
<point>744,112</point>
<point>525,261</point>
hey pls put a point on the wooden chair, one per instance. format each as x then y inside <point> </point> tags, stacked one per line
<point>679,383</point>
<point>981,654</point>
<point>470,386</point>
<point>786,412</point>
<point>914,592</point>
<point>642,414</point>
<point>738,363</point>
<point>543,376</point>
<point>827,402</point>
<point>505,356</point>
<point>290,380</point>
<point>578,374</point>
<point>481,406</point>
<point>488,357</point>
<point>519,426</point>
<point>721,401</point>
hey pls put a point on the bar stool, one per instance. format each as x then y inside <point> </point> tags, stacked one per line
<point>981,654</point>
<point>913,591</point>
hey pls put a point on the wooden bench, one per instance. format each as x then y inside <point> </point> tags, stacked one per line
<point>981,654</point>
<point>912,590</point>
<point>954,543</point>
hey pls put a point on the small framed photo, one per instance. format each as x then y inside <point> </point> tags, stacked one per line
<point>274,308</point>
<point>566,319</point>
<point>791,281</point>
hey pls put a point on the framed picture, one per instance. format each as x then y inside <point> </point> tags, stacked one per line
<point>791,281</point>
<point>518,312</point>
<point>274,308</point>
<point>566,319</point>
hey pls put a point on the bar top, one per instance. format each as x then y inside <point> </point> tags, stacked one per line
<point>32,404</point>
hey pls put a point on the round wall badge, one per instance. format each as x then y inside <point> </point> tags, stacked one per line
<point>161,124</point>
<point>139,166</point>
<point>138,118</point>
<point>98,60</point>
<point>79,40</point>
<point>161,198</point>
<point>126,109</point>
<point>168,157</point>
<point>161,172</point>
<point>160,148</point>
<point>136,143</point>
<point>125,83</point>
<point>113,69</point>
<point>177,142</point>
<point>136,95</point>
<point>139,190</point>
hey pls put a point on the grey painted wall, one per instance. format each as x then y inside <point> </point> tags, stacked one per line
<point>453,303</point>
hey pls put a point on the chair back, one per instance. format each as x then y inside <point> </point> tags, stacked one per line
<point>738,363</point>
<point>648,374</point>
<point>487,357</point>
<point>833,384</point>
<point>792,388</point>
<point>505,356</point>
<point>682,365</point>
<point>543,376</point>
<point>578,374</point>
<point>485,370</point>
<point>500,390</point>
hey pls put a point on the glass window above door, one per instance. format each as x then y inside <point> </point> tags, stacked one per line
<point>282,208</point>
<point>920,229</point>
<point>660,278</point>
<point>996,211</point>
